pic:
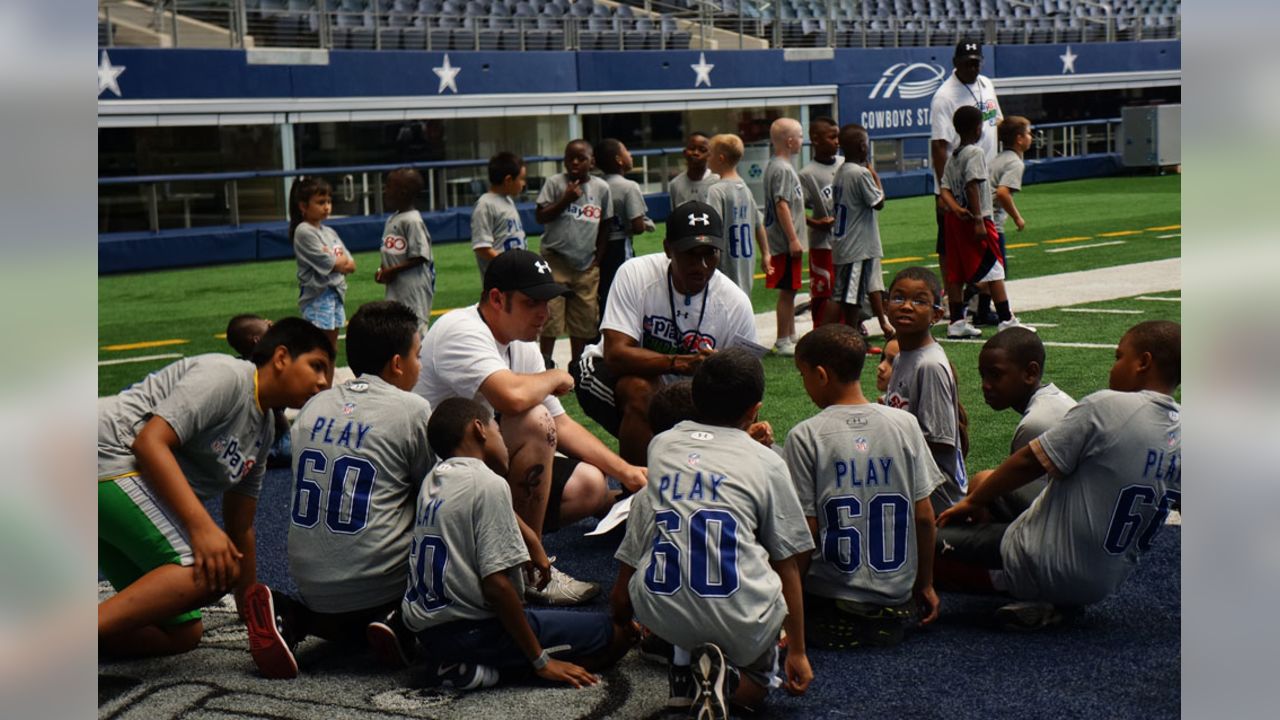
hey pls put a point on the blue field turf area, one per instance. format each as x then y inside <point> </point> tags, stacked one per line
<point>1121,659</point>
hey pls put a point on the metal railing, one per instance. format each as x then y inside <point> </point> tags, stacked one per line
<point>173,201</point>
<point>617,26</point>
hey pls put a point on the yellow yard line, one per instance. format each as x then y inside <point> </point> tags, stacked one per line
<point>1164,228</point>
<point>1068,240</point>
<point>220,336</point>
<point>892,261</point>
<point>1120,233</point>
<point>1015,246</point>
<point>142,345</point>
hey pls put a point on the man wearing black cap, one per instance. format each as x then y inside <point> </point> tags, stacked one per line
<point>666,313</point>
<point>966,86</point>
<point>489,352</point>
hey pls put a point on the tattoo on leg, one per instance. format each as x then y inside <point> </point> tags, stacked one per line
<point>532,479</point>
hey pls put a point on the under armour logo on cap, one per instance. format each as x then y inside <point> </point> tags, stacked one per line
<point>543,267</point>
<point>703,219</point>
<point>970,47</point>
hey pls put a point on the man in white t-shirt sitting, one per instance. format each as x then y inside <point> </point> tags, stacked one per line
<point>665,314</point>
<point>489,352</point>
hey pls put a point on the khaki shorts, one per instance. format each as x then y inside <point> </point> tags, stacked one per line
<point>578,313</point>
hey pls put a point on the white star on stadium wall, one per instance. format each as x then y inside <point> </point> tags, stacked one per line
<point>703,68</point>
<point>107,74</point>
<point>1068,62</point>
<point>448,75</point>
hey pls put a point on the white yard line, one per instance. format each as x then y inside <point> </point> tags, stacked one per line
<point>1158,299</point>
<point>1047,343</point>
<point>1170,235</point>
<point>1101,311</point>
<point>140,358</point>
<point>1085,247</point>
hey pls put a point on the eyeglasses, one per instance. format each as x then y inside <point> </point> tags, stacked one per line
<point>917,302</point>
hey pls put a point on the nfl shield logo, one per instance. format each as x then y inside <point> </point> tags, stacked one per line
<point>860,444</point>
<point>348,408</point>
<point>694,459</point>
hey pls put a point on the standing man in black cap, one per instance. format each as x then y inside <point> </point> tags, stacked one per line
<point>966,86</point>
<point>489,352</point>
<point>666,313</point>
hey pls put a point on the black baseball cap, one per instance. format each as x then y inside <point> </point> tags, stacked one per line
<point>968,48</point>
<point>692,224</point>
<point>524,271</point>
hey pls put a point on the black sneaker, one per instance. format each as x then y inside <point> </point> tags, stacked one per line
<point>391,642</point>
<point>655,649</point>
<point>715,681</point>
<point>268,635</point>
<point>1030,616</point>
<point>466,676</point>
<point>682,688</point>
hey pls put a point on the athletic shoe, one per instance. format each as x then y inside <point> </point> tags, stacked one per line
<point>1011,323</point>
<point>961,329</point>
<point>1027,616</point>
<point>655,649</point>
<point>714,683</point>
<point>681,687</point>
<point>784,347</point>
<point>466,676</point>
<point>271,652</point>
<point>391,642</point>
<point>562,590</point>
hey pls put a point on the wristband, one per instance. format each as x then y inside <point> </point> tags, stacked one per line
<point>542,660</point>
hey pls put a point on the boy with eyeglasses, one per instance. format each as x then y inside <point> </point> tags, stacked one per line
<point>923,383</point>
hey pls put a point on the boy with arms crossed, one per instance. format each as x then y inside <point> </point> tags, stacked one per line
<point>855,464</point>
<point>360,451</point>
<point>192,430</point>
<point>407,268</point>
<point>697,179</point>
<point>816,180</point>
<point>722,607</point>
<point>495,221</point>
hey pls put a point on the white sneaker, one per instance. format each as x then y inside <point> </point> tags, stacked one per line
<point>961,329</point>
<point>786,347</point>
<point>1013,322</point>
<point>562,590</point>
<point>1028,616</point>
<point>465,676</point>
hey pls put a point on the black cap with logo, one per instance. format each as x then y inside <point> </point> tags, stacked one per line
<point>968,48</point>
<point>524,271</point>
<point>692,224</point>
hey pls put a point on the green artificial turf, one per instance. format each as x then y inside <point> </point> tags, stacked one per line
<point>193,305</point>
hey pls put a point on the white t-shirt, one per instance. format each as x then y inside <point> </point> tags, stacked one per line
<point>642,301</point>
<point>459,353</point>
<point>953,93</point>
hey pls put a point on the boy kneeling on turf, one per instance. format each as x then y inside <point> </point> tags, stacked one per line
<point>864,474</point>
<point>709,558</point>
<point>465,580</point>
<point>198,428</point>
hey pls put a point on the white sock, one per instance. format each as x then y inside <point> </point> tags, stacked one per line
<point>680,656</point>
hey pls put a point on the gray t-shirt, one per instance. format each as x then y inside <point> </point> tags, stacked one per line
<point>359,454</point>
<point>628,204</point>
<point>465,531</point>
<point>682,189</point>
<point>1044,410</point>
<point>923,385</point>
<point>782,183</point>
<point>856,231</point>
<point>211,402</point>
<point>739,217</point>
<point>573,232</point>
<point>859,470</point>
<point>1006,170</point>
<point>404,238</point>
<point>1118,462</point>
<point>719,506</point>
<point>318,250</point>
<point>816,180</point>
<point>966,165</point>
<point>495,223</point>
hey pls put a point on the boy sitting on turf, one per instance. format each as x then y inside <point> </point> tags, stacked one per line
<point>243,333</point>
<point>198,428</point>
<point>360,452</point>
<point>1012,369</point>
<point>923,382</point>
<point>465,580</point>
<point>407,268</point>
<point>1115,468</point>
<point>495,221</point>
<point>855,464</point>
<point>715,486</point>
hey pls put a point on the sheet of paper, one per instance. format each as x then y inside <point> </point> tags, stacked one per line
<point>749,345</point>
<point>615,517</point>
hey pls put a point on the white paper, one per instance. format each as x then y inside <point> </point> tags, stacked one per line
<point>749,345</point>
<point>615,517</point>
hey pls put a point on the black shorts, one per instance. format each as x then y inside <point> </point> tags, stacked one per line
<point>593,386</point>
<point>977,544</point>
<point>841,624</point>
<point>568,634</point>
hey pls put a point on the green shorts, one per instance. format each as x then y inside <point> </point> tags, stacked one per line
<point>137,535</point>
